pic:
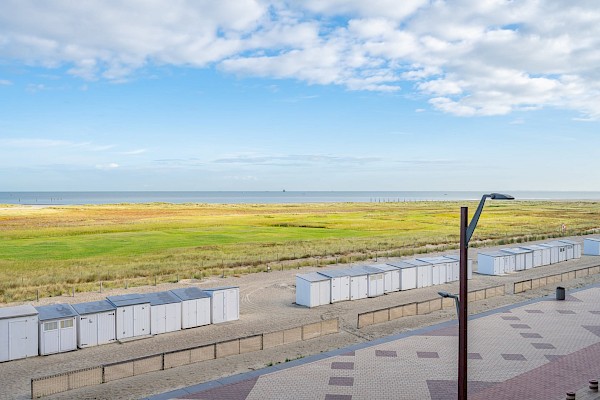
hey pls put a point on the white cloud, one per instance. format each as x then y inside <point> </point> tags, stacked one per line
<point>107,167</point>
<point>467,58</point>
<point>133,152</point>
<point>5,82</point>
<point>38,143</point>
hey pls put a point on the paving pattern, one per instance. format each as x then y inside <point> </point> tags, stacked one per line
<point>538,350</point>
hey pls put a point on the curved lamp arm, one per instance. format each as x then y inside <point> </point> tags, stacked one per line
<point>475,219</point>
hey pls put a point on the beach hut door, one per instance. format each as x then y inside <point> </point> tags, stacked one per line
<point>50,337</point>
<point>17,332</point>
<point>88,330</point>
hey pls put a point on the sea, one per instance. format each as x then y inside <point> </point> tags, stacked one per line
<point>268,197</point>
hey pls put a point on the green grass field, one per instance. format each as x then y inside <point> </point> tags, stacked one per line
<point>55,249</point>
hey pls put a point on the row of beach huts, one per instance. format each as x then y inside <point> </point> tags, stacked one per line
<point>27,331</point>
<point>327,287</point>
<point>358,282</point>
<point>514,259</point>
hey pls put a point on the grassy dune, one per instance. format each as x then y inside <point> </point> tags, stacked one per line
<point>55,249</point>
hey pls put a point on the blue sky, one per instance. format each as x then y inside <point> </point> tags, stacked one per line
<point>313,95</point>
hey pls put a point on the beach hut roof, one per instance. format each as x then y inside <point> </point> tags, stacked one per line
<point>190,293</point>
<point>128,299</point>
<point>17,311</point>
<point>93,307</point>
<point>55,311</point>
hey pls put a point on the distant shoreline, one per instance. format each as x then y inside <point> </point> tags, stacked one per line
<point>46,199</point>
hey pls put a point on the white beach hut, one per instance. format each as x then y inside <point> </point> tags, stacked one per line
<point>537,254</point>
<point>456,258</point>
<point>359,283</point>
<point>576,251</point>
<point>408,274</point>
<point>18,332</point>
<point>225,303</point>
<point>96,323</point>
<point>195,307</point>
<point>424,272</point>
<point>312,289</point>
<point>375,286</point>
<point>558,251</point>
<point>165,312</point>
<point>523,257</point>
<point>57,328</point>
<point>591,246</point>
<point>133,315</point>
<point>340,284</point>
<point>495,263</point>
<point>438,269</point>
<point>391,277</point>
<point>447,268</point>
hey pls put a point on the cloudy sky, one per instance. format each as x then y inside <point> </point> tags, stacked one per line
<point>301,95</point>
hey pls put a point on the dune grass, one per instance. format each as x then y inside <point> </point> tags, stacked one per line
<point>55,249</point>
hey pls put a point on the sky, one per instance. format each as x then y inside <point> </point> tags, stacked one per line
<point>299,95</point>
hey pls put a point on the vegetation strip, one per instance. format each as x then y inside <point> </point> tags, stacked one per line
<point>54,251</point>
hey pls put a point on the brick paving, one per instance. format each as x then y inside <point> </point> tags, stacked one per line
<point>538,350</point>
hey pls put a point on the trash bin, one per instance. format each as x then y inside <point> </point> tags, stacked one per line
<point>560,293</point>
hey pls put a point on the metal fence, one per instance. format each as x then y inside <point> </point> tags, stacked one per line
<point>57,383</point>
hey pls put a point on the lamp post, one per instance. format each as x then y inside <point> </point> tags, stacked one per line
<point>466,232</point>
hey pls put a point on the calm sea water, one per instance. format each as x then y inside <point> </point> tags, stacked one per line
<point>64,198</point>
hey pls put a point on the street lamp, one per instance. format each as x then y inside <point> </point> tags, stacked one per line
<point>466,232</point>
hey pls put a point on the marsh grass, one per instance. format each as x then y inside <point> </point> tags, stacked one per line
<point>55,249</point>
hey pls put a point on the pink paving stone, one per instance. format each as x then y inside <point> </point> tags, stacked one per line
<point>236,391</point>
<point>549,381</point>
<point>595,329</point>
<point>531,335</point>
<point>342,365</point>
<point>543,346</point>
<point>385,353</point>
<point>447,331</point>
<point>514,357</point>
<point>341,381</point>
<point>448,390</point>
<point>427,354</point>
<point>570,297</point>
<point>520,326</point>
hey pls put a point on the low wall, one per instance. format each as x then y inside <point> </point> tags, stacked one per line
<point>48,385</point>
<point>422,307</point>
<point>530,284</point>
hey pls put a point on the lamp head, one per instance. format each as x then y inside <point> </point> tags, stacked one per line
<point>446,294</point>
<point>500,196</point>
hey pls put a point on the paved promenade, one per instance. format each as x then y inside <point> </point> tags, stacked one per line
<point>537,350</point>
